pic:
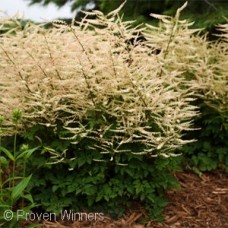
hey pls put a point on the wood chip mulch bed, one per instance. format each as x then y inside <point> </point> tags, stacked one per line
<point>201,202</point>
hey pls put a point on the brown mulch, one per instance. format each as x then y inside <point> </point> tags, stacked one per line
<point>201,202</point>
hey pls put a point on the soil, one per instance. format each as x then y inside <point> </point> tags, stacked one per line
<point>202,202</point>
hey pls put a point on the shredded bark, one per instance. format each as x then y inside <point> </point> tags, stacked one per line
<point>201,202</point>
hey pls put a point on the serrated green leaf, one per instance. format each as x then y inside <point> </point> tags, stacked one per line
<point>81,161</point>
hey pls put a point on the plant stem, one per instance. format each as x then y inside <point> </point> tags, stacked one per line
<point>14,155</point>
<point>24,170</point>
<point>0,169</point>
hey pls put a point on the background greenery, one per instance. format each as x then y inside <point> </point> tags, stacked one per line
<point>205,13</point>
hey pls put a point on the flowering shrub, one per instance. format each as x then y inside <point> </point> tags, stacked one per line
<point>108,108</point>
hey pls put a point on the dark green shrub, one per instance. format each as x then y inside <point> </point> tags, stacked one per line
<point>210,151</point>
<point>83,182</point>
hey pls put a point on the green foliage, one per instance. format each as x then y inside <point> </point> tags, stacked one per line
<point>210,151</point>
<point>13,176</point>
<point>206,14</point>
<point>83,181</point>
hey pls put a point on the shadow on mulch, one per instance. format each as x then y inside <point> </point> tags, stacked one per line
<point>201,202</point>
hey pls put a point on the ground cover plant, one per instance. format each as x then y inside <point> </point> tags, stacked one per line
<point>107,111</point>
<point>13,179</point>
